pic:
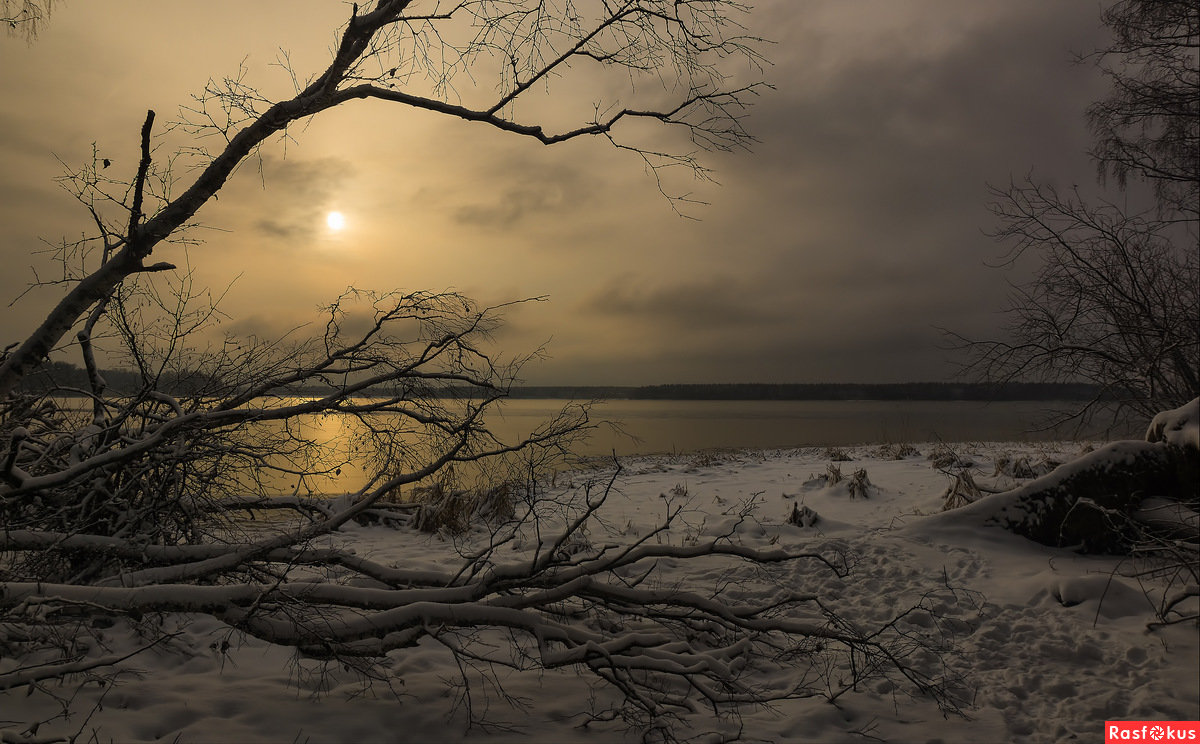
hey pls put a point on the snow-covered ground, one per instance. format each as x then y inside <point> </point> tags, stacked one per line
<point>1045,644</point>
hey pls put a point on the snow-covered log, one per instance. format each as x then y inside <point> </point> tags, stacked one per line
<point>1179,427</point>
<point>1091,503</point>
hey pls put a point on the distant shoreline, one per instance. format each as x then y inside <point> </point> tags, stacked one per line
<point>923,391</point>
<point>68,380</point>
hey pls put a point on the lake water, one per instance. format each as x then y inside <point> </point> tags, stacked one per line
<point>684,426</point>
<point>656,426</point>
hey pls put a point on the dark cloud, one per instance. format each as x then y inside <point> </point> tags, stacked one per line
<point>513,205</point>
<point>309,180</point>
<point>870,183</point>
<point>510,187</point>
<point>283,230</point>
<point>832,251</point>
<point>901,129</point>
<point>256,326</point>
<point>707,303</point>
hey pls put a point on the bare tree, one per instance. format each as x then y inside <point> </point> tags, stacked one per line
<point>25,18</point>
<point>130,504</point>
<point>209,434</point>
<point>1148,127</point>
<point>1115,299</point>
<point>401,46</point>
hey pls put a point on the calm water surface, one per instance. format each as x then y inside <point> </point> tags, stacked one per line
<point>655,427</point>
<point>688,425</point>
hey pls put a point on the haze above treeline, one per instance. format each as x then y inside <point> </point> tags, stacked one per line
<point>67,379</point>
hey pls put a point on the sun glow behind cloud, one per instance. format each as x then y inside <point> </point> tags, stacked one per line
<point>866,192</point>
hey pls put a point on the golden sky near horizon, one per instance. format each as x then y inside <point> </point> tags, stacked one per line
<point>831,252</point>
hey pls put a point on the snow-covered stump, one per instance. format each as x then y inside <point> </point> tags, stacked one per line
<point>1090,503</point>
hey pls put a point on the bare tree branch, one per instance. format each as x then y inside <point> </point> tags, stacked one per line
<point>1114,301</point>
<point>686,42</point>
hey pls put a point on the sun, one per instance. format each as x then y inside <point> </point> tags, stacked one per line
<point>336,221</point>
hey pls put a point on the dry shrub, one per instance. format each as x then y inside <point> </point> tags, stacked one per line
<point>961,491</point>
<point>802,516</point>
<point>944,457</point>
<point>837,454</point>
<point>704,460</point>
<point>446,507</point>
<point>1020,467</point>
<point>892,451</point>
<point>860,484</point>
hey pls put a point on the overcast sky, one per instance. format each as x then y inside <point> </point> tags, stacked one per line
<point>832,252</point>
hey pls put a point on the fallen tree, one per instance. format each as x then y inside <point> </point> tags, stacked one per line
<point>1098,502</point>
<point>564,600</point>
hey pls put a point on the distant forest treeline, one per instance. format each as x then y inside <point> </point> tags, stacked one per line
<point>827,391</point>
<point>67,379</point>
<point>64,377</point>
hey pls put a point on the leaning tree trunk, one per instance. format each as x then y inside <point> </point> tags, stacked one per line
<point>1090,503</point>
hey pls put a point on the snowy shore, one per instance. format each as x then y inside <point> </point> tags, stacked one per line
<point>1039,644</point>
